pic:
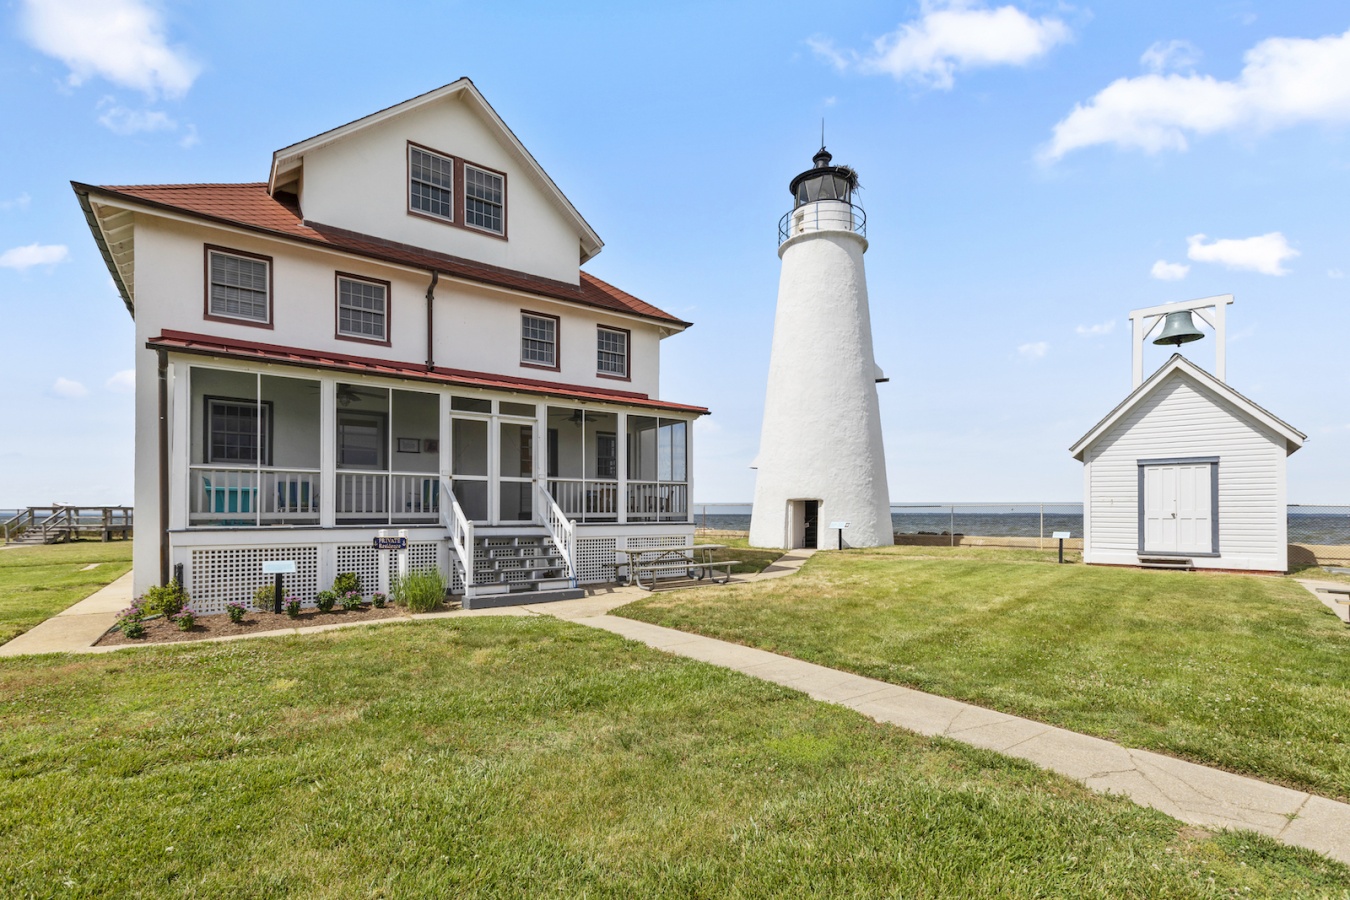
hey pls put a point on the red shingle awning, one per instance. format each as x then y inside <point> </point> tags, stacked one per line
<point>210,345</point>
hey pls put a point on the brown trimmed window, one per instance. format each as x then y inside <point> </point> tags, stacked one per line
<point>539,340</point>
<point>484,199</point>
<point>363,309</point>
<point>611,352</point>
<point>239,287</point>
<point>431,183</point>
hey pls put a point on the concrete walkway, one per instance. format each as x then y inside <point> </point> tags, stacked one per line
<point>1337,603</point>
<point>1194,794</point>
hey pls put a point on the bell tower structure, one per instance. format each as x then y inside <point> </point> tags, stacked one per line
<point>821,460</point>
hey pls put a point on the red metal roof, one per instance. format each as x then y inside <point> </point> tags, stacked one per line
<point>251,206</point>
<point>210,345</point>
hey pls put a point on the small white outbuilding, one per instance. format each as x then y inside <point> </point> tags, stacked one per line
<point>1186,472</point>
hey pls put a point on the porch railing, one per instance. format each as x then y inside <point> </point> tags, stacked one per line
<point>560,527</point>
<point>658,501</point>
<point>219,495</point>
<point>405,497</point>
<point>586,498</point>
<point>44,524</point>
<point>461,535</point>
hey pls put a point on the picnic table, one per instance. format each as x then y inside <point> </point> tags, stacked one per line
<point>691,562</point>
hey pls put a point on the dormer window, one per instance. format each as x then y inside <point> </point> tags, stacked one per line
<point>431,183</point>
<point>484,199</point>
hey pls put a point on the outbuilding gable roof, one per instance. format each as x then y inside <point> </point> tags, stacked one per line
<point>1293,438</point>
<point>251,207</point>
<point>289,158</point>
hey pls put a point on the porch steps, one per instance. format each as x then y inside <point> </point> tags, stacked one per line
<point>1180,564</point>
<point>518,568</point>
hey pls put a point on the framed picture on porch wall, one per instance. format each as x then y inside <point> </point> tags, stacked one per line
<point>409,445</point>
<point>431,446</point>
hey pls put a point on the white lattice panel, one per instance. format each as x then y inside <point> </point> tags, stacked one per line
<point>363,559</point>
<point>595,560</point>
<point>658,541</point>
<point>480,553</point>
<point>423,556</point>
<point>219,576</point>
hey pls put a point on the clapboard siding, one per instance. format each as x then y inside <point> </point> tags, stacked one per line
<point>1182,418</point>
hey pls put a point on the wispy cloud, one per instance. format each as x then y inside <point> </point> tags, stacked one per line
<point>69,389</point>
<point>122,120</point>
<point>949,37</point>
<point>24,258</point>
<point>1169,271</point>
<point>20,202</point>
<point>1264,253</point>
<point>1036,350</point>
<point>1284,82</point>
<point>1170,56</point>
<point>1098,330</point>
<point>122,41</point>
<point>123,382</point>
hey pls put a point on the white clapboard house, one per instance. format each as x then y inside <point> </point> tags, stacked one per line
<point>391,335</point>
<point>1186,473</point>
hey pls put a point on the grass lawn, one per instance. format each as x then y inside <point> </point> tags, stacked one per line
<point>527,757</point>
<point>36,583</point>
<point>738,548</point>
<point>1247,673</point>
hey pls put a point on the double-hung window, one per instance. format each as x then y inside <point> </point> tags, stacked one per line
<point>239,287</point>
<point>611,352</point>
<point>484,200</point>
<point>362,309</point>
<point>539,340</point>
<point>431,183</point>
<point>233,432</point>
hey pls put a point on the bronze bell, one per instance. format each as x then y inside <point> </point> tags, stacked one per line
<point>1179,329</point>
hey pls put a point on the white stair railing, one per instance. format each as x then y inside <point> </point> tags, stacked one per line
<point>560,528</point>
<point>461,535</point>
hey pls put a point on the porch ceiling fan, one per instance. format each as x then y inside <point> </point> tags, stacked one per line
<point>346,394</point>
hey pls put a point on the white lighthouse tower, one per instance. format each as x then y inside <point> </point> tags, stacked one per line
<point>821,460</point>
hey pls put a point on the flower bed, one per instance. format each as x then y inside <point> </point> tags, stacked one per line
<point>162,630</point>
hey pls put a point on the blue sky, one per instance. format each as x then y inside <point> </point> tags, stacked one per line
<point>1029,172</point>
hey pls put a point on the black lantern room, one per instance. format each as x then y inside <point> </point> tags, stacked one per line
<point>824,182</point>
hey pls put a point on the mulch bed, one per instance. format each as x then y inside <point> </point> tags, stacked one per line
<point>162,631</point>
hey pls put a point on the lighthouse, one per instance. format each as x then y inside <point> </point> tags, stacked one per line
<point>822,467</point>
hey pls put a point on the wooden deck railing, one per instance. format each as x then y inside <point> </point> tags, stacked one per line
<point>51,524</point>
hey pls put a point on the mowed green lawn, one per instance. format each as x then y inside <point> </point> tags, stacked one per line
<point>36,583</point>
<point>527,757</point>
<point>1247,673</point>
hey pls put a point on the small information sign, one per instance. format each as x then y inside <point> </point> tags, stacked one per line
<point>838,525</point>
<point>391,543</point>
<point>279,567</point>
<point>1059,535</point>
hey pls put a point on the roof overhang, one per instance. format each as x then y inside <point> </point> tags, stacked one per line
<point>114,233</point>
<point>288,159</point>
<point>1293,438</point>
<point>227,348</point>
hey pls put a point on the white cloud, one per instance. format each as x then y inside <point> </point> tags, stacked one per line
<point>123,382</point>
<point>1099,330</point>
<point>1171,56</point>
<point>951,36</point>
<point>24,258</point>
<point>71,390</point>
<point>1169,271</point>
<point>1035,350</point>
<point>189,138</point>
<point>19,202</point>
<point>1265,253</point>
<point>1284,82</point>
<point>123,41</point>
<point>120,120</point>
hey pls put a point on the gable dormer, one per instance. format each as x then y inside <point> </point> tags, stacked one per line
<point>442,172</point>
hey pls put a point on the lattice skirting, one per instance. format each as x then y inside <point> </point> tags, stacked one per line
<point>595,560</point>
<point>219,576</point>
<point>362,559</point>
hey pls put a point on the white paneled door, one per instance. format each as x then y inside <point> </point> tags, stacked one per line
<point>1178,508</point>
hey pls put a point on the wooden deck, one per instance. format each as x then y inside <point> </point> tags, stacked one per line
<point>59,524</point>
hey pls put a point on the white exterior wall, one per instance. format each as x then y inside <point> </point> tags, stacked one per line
<point>821,438</point>
<point>361,183</point>
<point>1180,419</point>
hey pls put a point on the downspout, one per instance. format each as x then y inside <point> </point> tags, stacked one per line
<point>431,295</point>
<point>163,466</point>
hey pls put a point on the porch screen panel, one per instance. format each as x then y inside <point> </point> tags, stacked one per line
<point>415,457</point>
<point>230,436</point>
<point>288,491</point>
<point>469,466</point>
<point>362,455</point>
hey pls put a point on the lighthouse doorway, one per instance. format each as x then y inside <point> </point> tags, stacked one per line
<point>803,524</point>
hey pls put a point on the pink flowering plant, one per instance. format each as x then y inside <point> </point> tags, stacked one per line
<point>131,621</point>
<point>378,600</point>
<point>351,601</point>
<point>292,606</point>
<point>186,618</point>
<point>237,610</point>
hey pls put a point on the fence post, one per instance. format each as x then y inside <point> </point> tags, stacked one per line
<point>1040,541</point>
<point>951,523</point>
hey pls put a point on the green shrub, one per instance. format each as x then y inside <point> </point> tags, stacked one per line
<point>291,605</point>
<point>130,621</point>
<point>166,600</point>
<point>347,582</point>
<point>264,598</point>
<point>185,619</point>
<point>325,600</point>
<point>378,600</point>
<point>351,601</point>
<point>420,591</point>
<point>237,611</point>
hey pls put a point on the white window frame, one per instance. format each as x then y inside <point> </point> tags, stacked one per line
<point>211,284</point>
<point>383,338</point>
<point>501,207</point>
<point>601,351</point>
<point>413,179</point>
<point>554,326</point>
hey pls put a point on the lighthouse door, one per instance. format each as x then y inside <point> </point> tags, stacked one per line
<point>811,524</point>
